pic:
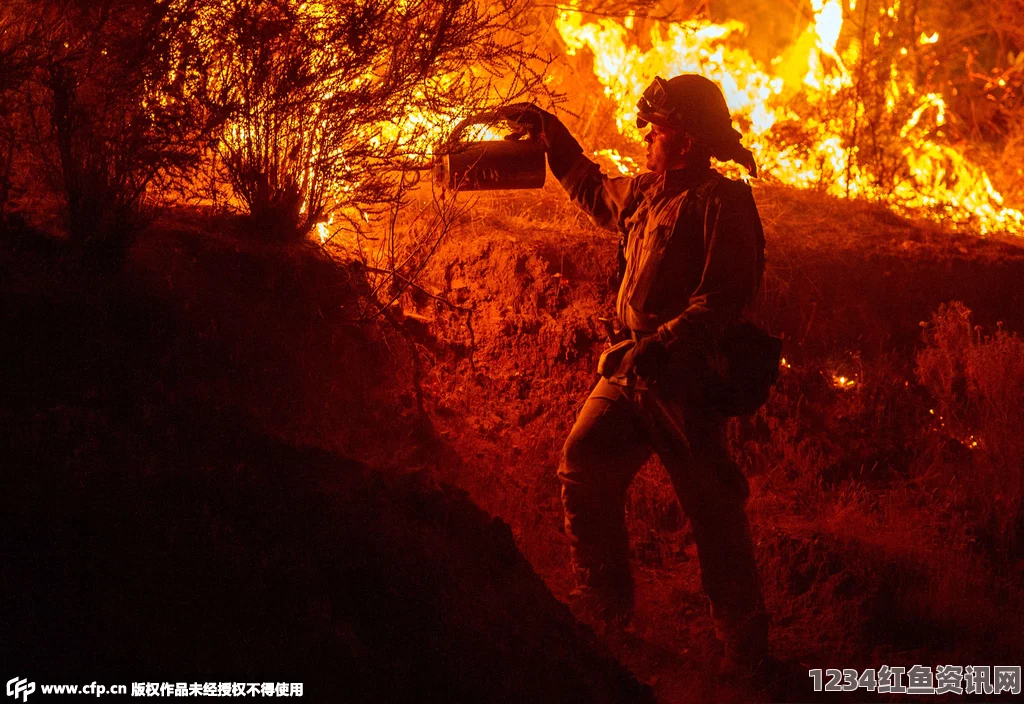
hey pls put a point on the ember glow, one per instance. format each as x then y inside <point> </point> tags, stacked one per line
<point>843,382</point>
<point>807,92</point>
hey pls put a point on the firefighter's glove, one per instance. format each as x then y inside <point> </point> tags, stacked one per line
<point>650,358</point>
<point>561,146</point>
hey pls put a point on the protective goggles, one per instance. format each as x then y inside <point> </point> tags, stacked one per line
<point>653,105</point>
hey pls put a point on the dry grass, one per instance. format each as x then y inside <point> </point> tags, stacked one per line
<point>977,381</point>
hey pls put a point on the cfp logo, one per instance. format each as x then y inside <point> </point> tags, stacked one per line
<point>20,687</point>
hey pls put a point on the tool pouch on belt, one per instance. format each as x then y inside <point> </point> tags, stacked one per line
<point>610,365</point>
<point>743,372</point>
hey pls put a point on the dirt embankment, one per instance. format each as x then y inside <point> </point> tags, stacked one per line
<point>504,382</point>
<point>853,276</point>
<point>155,531</point>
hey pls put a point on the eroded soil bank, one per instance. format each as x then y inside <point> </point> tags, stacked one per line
<point>167,519</point>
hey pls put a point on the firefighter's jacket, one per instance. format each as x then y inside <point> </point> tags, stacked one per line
<point>691,246</point>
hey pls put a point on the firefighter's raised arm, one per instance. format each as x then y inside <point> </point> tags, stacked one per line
<point>608,201</point>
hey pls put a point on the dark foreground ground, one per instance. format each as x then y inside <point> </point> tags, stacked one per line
<point>151,536</point>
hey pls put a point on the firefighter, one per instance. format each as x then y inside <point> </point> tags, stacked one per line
<point>691,258</point>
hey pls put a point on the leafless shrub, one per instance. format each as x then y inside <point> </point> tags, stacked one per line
<point>328,103</point>
<point>98,133</point>
<point>16,60</point>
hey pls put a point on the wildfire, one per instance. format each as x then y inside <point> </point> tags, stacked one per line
<point>801,115</point>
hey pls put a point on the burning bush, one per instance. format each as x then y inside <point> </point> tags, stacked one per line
<point>328,103</point>
<point>301,112</point>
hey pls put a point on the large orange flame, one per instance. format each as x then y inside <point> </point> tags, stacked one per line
<point>936,179</point>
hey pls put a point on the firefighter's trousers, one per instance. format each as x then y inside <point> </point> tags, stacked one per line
<point>614,435</point>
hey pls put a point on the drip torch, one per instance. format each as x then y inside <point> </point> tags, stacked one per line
<point>515,162</point>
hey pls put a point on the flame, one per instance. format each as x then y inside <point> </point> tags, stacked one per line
<point>843,382</point>
<point>828,23</point>
<point>418,132</point>
<point>626,165</point>
<point>936,179</point>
